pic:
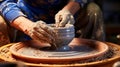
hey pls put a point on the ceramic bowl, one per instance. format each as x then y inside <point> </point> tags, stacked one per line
<point>64,34</point>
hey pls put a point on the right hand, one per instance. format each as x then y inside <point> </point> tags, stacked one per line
<point>64,17</point>
<point>42,32</point>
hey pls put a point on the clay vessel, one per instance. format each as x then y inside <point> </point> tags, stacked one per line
<point>64,34</point>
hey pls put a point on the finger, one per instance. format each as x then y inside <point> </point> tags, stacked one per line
<point>41,38</point>
<point>34,35</point>
<point>42,34</point>
<point>49,34</point>
<point>69,22</point>
<point>48,30</point>
<point>57,20</point>
<point>39,29</point>
<point>72,21</point>
<point>42,42</point>
<point>64,21</point>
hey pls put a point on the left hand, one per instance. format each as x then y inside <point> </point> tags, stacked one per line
<point>64,17</point>
<point>42,32</point>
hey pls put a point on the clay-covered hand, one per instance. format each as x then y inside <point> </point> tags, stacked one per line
<point>64,17</point>
<point>42,32</point>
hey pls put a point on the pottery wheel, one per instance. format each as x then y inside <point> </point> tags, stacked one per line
<point>81,49</point>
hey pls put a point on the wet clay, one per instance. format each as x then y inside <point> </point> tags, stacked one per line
<point>83,50</point>
<point>64,35</point>
<point>78,51</point>
<point>109,57</point>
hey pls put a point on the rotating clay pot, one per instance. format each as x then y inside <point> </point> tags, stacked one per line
<point>64,35</point>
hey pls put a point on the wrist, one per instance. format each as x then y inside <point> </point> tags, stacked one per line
<point>81,2</point>
<point>73,7</point>
<point>22,23</point>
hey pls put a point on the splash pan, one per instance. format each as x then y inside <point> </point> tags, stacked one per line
<point>81,49</point>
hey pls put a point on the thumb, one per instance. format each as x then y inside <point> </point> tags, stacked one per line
<point>57,19</point>
<point>71,21</point>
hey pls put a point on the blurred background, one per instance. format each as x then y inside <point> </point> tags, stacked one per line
<point>111,15</point>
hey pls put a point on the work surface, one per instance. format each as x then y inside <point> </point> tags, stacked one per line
<point>5,55</point>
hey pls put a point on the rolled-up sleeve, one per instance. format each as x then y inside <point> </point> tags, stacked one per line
<point>81,2</point>
<point>9,10</point>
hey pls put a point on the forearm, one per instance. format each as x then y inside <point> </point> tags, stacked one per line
<point>21,23</point>
<point>73,7</point>
<point>9,10</point>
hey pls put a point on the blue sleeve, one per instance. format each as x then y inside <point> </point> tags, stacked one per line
<point>81,2</point>
<point>10,10</point>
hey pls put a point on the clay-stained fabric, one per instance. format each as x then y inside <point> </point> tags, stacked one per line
<point>89,23</point>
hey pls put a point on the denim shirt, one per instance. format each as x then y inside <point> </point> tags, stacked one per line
<point>34,10</point>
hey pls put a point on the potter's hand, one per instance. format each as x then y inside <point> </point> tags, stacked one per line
<point>42,32</point>
<point>64,17</point>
